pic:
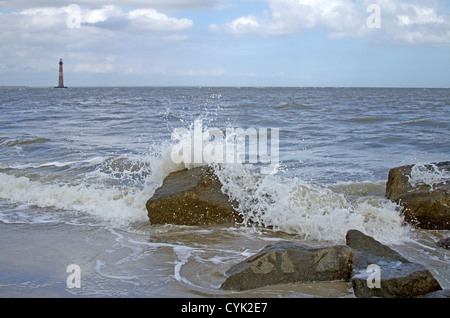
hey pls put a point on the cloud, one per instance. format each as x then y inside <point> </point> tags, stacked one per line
<point>108,16</point>
<point>96,15</point>
<point>112,17</point>
<point>414,23</point>
<point>401,21</point>
<point>288,16</point>
<point>150,19</point>
<point>88,38</point>
<point>154,4</point>
<point>240,26</point>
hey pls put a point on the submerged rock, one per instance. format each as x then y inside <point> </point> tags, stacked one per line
<point>191,197</point>
<point>425,204</point>
<point>289,262</point>
<point>444,243</point>
<point>397,277</point>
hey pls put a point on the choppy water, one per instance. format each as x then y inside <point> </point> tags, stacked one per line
<point>77,166</point>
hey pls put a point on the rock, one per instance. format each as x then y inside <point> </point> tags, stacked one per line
<point>398,277</point>
<point>375,270</point>
<point>444,243</point>
<point>289,262</point>
<point>425,205</point>
<point>191,197</point>
<point>444,293</point>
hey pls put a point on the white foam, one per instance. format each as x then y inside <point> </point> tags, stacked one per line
<point>115,192</point>
<point>428,174</point>
<point>90,162</point>
<point>115,205</point>
<point>99,265</point>
<point>183,253</point>
<point>311,211</point>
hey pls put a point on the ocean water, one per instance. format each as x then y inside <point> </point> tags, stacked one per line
<point>77,166</point>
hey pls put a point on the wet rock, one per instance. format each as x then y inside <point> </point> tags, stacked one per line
<point>424,205</point>
<point>191,197</point>
<point>389,275</point>
<point>445,293</point>
<point>444,243</point>
<point>289,262</point>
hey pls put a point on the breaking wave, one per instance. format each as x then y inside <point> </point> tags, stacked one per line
<point>115,190</point>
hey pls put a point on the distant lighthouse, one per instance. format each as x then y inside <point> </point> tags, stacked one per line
<point>61,75</point>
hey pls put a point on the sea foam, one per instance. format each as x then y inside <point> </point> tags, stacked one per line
<point>428,174</point>
<point>288,204</point>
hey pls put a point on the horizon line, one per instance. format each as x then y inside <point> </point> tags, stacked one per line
<point>224,86</point>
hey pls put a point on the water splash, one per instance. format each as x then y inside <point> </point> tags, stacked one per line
<point>428,174</point>
<point>116,189</point>
<point>311,211</point>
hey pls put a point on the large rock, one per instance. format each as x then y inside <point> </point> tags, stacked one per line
<point>191,197</point>
<point>425,205</point>
<point>397,276</point>
<point>289,262</point>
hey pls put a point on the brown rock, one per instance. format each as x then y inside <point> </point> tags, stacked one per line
<point>397,276</point>
<point>423,205</point>
<point>191,197</point>
<point>289,262</point>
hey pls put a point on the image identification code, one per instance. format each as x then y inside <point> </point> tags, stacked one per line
<point>239,307</point>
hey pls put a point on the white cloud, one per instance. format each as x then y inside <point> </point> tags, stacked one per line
<point>243,25</point>
<point>289,16</point>
<point>99,15</point>
<point>405,22</point>
<point>113,17</point>
<point>155,4</point>
<point>109,16</point>
<point>150,19</point>
<point>414,23</point>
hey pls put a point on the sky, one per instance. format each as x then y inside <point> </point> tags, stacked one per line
<point>301,43</point>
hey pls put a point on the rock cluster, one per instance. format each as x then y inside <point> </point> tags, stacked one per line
<point>289,262</point>
<point>194,197</point>
<point>425,206</point>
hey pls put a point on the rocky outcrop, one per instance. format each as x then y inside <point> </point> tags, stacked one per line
<point>191,197</point>
<point>375,270</point>
<point>397,276</point>
<point>289,262</point>
<point>424,205</point>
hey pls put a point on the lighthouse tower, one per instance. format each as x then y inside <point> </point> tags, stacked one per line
<point>61,75</point>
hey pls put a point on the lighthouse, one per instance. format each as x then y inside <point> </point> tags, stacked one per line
<point>61,75</point>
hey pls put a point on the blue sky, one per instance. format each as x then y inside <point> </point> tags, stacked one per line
<point>406,43</point>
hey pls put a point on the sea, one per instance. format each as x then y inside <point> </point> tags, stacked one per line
<point>77,166</point>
